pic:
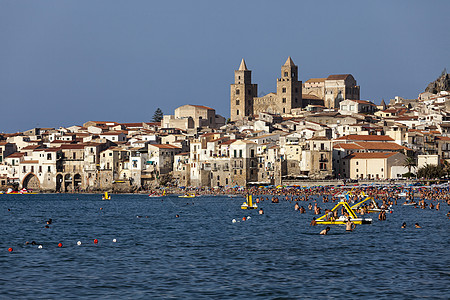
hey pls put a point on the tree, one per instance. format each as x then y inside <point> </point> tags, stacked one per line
<point>430,172</point>
<point>158,115</point>
<point>409,162</point>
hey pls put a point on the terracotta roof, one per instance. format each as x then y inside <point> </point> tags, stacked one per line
<point>443,138</point>
<point>319,138</point>
<point>203,107</point>
<point>31,147</point>
<point>338,77</point>
<point>370,155</point>
<point>381,146</point>
<point>315,80</point>
<point>348,146</point>
<point>131,124</point>
<point>164,146</point>
<point>113,132</point>
<point>72,146</point>
<point>30,162</point>
<point>357,137</point>
<point>228,142</point>
<point>16,155</point>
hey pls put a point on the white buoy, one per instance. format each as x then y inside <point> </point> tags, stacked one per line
<point>79,243</point>
<point>248,218</point>
<point>40,247</point>
<point>233,221</point>
<point>114,240</point>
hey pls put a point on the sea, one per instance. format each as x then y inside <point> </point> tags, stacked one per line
<point>135,247</point>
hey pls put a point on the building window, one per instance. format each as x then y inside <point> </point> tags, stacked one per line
<point>237,92</point>
<point>284,100</point>
<point>249,92</point>
<point>357,163</point>
<point>284,90</point>
<point>286,74</point>
<point>284,110</point>
<point>237,112</point>
<point>240,172</point>
<point>356,170</point>
<point>237,102</point>
<point>240,153</point>
<point>296,90</point>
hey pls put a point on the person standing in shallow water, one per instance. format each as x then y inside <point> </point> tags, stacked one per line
<point>349,226</point>
<point>325,231</point>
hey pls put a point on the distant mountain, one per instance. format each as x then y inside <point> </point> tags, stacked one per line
<point>440,84</point>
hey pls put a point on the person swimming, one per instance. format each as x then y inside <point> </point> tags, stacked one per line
<point>313,222</point>
<point>404,225</point>
<point>261,211</point>
<point>417,225</point>
<point>325,231</point>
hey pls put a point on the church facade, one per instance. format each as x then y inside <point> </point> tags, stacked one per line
<point>246,103</point>
<point>290,94</point>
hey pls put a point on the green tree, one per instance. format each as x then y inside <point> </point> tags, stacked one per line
<point>409,162</point>
<point>430,172</point>
<point>158,115</point>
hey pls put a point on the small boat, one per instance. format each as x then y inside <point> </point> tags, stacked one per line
<point>342,220</point>
<point>409,203</point>
<point>187,195</point>
<point>106,196</point>
<point>249,203</point>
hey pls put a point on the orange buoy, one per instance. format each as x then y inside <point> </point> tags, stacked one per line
<point>10,249</point>
<point>243,219</point>
<point>60,245</point>
<point>95,241</point>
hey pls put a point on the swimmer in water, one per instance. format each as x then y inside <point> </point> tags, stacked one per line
<point>261,212</point>
<point>177,216</point>
<point>325,231</point>
<point>404,225</point>
<point>350,226</point>
<point>417,225</point>
<point>313,222</point>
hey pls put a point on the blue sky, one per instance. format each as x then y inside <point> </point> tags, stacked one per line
<point>64,63</point>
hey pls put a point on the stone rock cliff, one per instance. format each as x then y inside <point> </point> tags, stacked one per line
<point>440,84</point>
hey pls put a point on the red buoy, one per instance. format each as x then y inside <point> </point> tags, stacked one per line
<point>60,245</point>
<point>10,249</point>
<point>95,241</point>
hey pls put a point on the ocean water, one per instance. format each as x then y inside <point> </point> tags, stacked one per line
<point>203,255</point>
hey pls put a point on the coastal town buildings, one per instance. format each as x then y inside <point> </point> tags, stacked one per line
<point>317,130</point>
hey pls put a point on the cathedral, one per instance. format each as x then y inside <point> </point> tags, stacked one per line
<point>290,94</point>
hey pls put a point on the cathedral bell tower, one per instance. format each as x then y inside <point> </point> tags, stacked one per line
<point>289,89</point>
<point>242,93</point>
